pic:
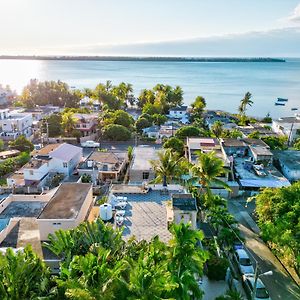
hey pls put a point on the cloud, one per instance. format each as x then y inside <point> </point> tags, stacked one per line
<point>295,16</point>
<point>277,42</point>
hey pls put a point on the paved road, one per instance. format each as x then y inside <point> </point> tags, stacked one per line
<point>279,285</point>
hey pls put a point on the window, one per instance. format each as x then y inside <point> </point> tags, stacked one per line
<point>145,175</point>
<point>65,165</point>
<point>56,224</point>
<point>31,172</point>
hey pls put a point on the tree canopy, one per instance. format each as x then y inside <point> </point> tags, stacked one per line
<point>278,213</point>
<point>115,132</point>
<point>21,144</point>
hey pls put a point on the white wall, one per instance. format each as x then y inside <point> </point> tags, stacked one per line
<point>37,174</point>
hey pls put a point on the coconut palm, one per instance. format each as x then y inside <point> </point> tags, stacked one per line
<point>68,122</point>
<point>246,101</point>
<point>207,170</point>
<point>166,167</point>
<point>186,261</point>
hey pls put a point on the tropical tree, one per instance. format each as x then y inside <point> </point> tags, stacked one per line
<point>198,107</point>
<point>207,171</point>
<point>175,144</point>
<point>23,275</point>
<point>21,144</point>
<point>115,132</point>
<point>130,153</point>
<point>246,101</point>
<point>68,123</point>
<point>166,167</point>
<point>217,128</point>
<point>187,131</point>
<point>186,260</point>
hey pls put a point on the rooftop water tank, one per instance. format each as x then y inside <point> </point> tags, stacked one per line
<point>90,163</point>
<point>106,212</point>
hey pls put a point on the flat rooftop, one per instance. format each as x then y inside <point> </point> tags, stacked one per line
<point>23,209</point>
<point>66,202</point>
<point>290,158</point>
<point>146,214</point>
<point>142,156</point>
<point>249,179</point>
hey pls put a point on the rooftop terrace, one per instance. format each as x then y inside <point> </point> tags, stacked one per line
<point>19,209</point>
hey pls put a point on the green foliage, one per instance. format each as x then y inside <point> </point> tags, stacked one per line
<point>187,131</point>
<point>21,144</point>
<point>142,123</point>
<point>23,275</point>
<point>267,119</point>
<point>49,92</point>
<point>54,125</point>
<point>233,133</point>
<point>160,99</point>
<point>56,180</point>
<point>198,107</point>
<point>297,144</point>
<point>1,145</point>
<point>152,108</point>
<point>231,295</point>
<point>68,123</point>
<point>217,128</point>
<point>278,213</point>
<point>159,119</point>
<point>86,178</point>
<point>254,135</point>
<point>11,164</point>
<point>175,144</point>
<point>216,268</point>
<point>130,153</point>
<point>246,101</point>
<point>276,143</point>
<point>79,110</point>
<point>167,167</point>
<point>116,133</point>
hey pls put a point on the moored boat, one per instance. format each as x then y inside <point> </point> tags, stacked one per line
<point>282,99</point>
<point>279,104</point>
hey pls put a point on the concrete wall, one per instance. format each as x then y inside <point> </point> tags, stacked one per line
<point>186,217</point>
<point>136,176</point>
<point>291,175</point>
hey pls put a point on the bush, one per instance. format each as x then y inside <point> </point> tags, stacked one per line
<point>187,131</point>
<point>175,144</point>
<point>22,144</point>
<point>142,123</point>
<point>216,268</point>
<point>86,178</point>
<point>115,132</point>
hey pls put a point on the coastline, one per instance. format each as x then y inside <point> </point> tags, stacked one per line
<point>148,58</point>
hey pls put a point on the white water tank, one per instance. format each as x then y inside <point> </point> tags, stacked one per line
<point>89,163</point>
<point>105,212</point>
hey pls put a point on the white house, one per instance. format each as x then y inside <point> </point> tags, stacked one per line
<point>289,161</point>
<point>15,123</point>
<point>288,126</point>
<point>56,158</point>
<point>180,113</point>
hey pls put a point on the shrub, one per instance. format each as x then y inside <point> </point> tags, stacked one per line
<point>216,268</point>
<point>115,132</point>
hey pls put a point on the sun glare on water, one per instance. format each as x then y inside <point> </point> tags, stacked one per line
<point>17,73</point>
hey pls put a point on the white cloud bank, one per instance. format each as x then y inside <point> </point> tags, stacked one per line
<point>295,16</point>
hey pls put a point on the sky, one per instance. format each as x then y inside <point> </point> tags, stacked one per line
<point>117,26</point>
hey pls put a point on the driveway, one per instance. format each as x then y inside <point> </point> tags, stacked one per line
<point>280,285</point>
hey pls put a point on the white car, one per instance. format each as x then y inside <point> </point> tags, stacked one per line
<point>261,291</point>
<point>243,261</point>
<point>90,144</point>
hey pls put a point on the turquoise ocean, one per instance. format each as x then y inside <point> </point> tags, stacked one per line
<point>222,84</point>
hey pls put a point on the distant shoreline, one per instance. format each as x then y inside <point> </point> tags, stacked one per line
<point>150,58</point>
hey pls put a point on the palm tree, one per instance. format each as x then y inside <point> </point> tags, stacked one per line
<point>186,260</point>
<point>217,128</point>
<point>246,101</point>
<point>68,122</point>
<point>166,167</point>
<point>207,170</point>
<point>92,276</point>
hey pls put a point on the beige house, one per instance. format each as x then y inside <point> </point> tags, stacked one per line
<point>104,166</point>
<point>183,209</point>
<point>67,208</point>
<point>140,169</point>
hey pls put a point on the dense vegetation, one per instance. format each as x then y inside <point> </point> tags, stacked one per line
<point>12,164</point>
<point>98,264</point>
<point>278,213</point>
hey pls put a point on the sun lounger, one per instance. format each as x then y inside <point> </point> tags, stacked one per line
<point>119,220</point>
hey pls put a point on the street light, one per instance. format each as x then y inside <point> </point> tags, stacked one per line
<point>256,275</point>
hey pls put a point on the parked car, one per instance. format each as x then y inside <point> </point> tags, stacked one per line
<point>90,144</point>
<point>261,291</point>
<point>243,261</point>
